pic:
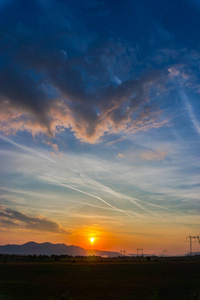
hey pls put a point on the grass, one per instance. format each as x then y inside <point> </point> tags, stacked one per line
<point>163,280</point>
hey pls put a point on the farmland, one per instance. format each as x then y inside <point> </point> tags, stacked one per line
<point>96,278</point>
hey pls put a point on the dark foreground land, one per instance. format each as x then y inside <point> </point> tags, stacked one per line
<point>96,278</point>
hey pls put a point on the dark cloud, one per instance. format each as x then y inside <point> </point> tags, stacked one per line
<point>13,218</point>
<point>58,72</point>
<point>23,92</point>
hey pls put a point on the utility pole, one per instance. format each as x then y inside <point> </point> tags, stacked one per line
<point>193,237</point>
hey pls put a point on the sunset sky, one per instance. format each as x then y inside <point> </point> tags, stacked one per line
<point>100,123</point>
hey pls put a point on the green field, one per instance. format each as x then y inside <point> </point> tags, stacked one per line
<point>108,279</point>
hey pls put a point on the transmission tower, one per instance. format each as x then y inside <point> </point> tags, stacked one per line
<point>165,252</point>
<point>193,237</point>
<point>123,252</point>
<point>139,250</point>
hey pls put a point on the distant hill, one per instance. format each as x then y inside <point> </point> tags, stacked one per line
<point>32,248</point>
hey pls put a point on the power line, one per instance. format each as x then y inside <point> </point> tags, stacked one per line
<point>192,237</point>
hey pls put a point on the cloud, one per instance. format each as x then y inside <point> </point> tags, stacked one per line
<point>13,218</point>
<point>154,155</point>
<point>57,73</point>
<point>53,145</point>
<point>82,120</point>
<point>65,79</point>
<point>14,119</point>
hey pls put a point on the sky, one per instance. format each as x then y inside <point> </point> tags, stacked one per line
<point>99,123</point>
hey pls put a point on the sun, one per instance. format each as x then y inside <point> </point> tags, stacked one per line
<point>92,239</point>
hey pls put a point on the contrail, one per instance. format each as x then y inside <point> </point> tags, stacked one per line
<point>96,206</point>
<point>30,150</point>
<point>131,199</point>
<point>106,189</point>
<point>114,193</point>
<point>91,182</point>
<point>119,195</point>
<point>27,149</point>
<point>188,106</point>
<point>28,193</point>
<point>82,192</point>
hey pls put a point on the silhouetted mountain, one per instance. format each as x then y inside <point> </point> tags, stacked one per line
<point>32,248</point>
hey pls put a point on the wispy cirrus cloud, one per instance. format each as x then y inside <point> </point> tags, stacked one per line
<point>154,155</point>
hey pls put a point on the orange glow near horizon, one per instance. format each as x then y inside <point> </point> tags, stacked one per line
<point>89,236</point>
<point>106,240</point>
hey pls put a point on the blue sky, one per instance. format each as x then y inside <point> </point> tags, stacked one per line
<point>99,123</point>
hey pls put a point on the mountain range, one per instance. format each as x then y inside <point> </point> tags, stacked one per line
<point>33,248</point>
